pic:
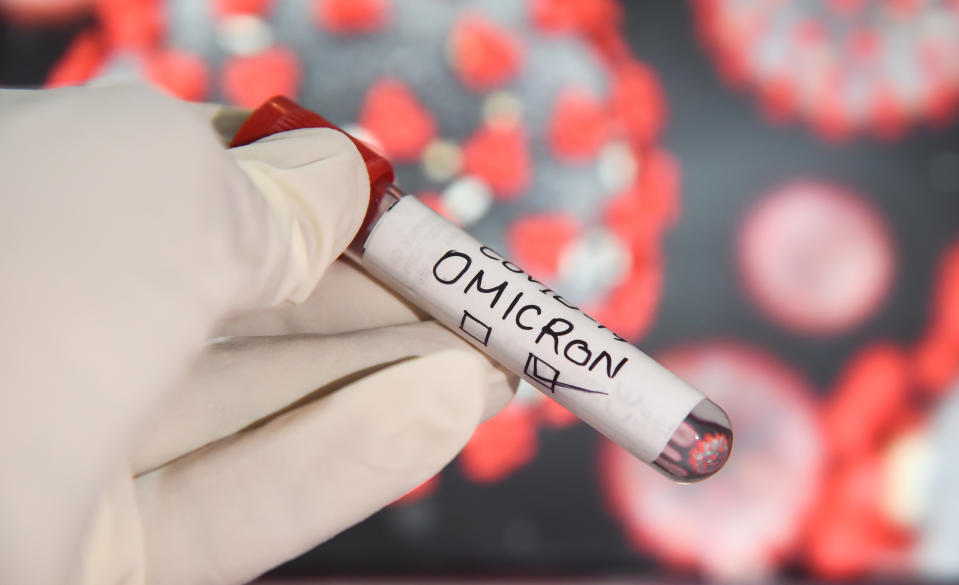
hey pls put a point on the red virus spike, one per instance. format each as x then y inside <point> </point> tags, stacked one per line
<point>638,102</point>
<point>422,491</point>
<point>484,55</point>
<point>597,18</point>
<point>734,38</point>
<point>936,359</point>
<point>624,215</point>
<point>942,104</point>
<point>889,114</point>
<point>641,213</point>
<point>499,155</point>
<point>80,63</point>
<point>236,7</point>
<point>182,74</point>
<point>935,362</point>
<point>830,119</point>
<point>846,7</point>
<point>538,241</point>
<point>631,307</point>
<point>351,16</point>
<point>872,391</point>
<point>864,46</point>
<point>552,414</point>
<point>500,445</point>
<point>130,24</point>
<point>779,98</point>
<point>552,16</point>
<point>733,64</point>
<point>946,296</point>
<point>810,34</point>
<point>905,8</point>
<point>594,18</point>
<point>935,59</point>
<point>706,18</point>
<point>579,126</point>
<point>401,124</point>
<point>847,530</point>
<point>435,202</point>
<point>248,81</point>
<point>612,47</point>
<point>660,182</point>
<point>32,13</point>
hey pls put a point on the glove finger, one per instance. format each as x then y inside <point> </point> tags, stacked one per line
<point>316,187</point>
<point>240,381</point>
<point>245,504</point>
<point>224,119</point>
<point>305,177</point>
<point>128,233</point>
<point>347,299</point>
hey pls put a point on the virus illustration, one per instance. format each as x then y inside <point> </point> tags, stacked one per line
<point>842,65</point>
<point>817,257</point>
<point>709,453</point>
<point>528,123</point>
<point>744,521</point>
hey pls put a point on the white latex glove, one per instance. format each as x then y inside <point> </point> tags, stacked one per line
<point>131,450</point>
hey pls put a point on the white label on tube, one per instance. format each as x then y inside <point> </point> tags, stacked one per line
<point>533,331</point>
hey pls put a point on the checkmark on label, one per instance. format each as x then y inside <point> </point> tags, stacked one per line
<point>548,376</point>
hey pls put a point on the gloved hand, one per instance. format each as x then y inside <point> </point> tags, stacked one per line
<point>133,449</point>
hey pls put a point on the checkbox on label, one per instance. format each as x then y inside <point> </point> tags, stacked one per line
<point>541,372</point>
<point>475,328</point>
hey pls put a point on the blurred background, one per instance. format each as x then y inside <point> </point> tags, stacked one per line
<point>762,194</point>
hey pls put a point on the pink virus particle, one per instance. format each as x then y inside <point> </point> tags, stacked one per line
<point>747,519</point>
<point>843,67</point>
<point>816,257</point>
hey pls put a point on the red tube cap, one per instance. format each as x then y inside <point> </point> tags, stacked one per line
<point>280,114</point>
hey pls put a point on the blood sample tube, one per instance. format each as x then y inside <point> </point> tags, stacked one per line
<point>518,321</point>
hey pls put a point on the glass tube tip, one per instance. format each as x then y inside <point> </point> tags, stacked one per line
<point>699,447</point>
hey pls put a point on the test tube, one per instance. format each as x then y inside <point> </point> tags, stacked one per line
<point>521,323</point>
